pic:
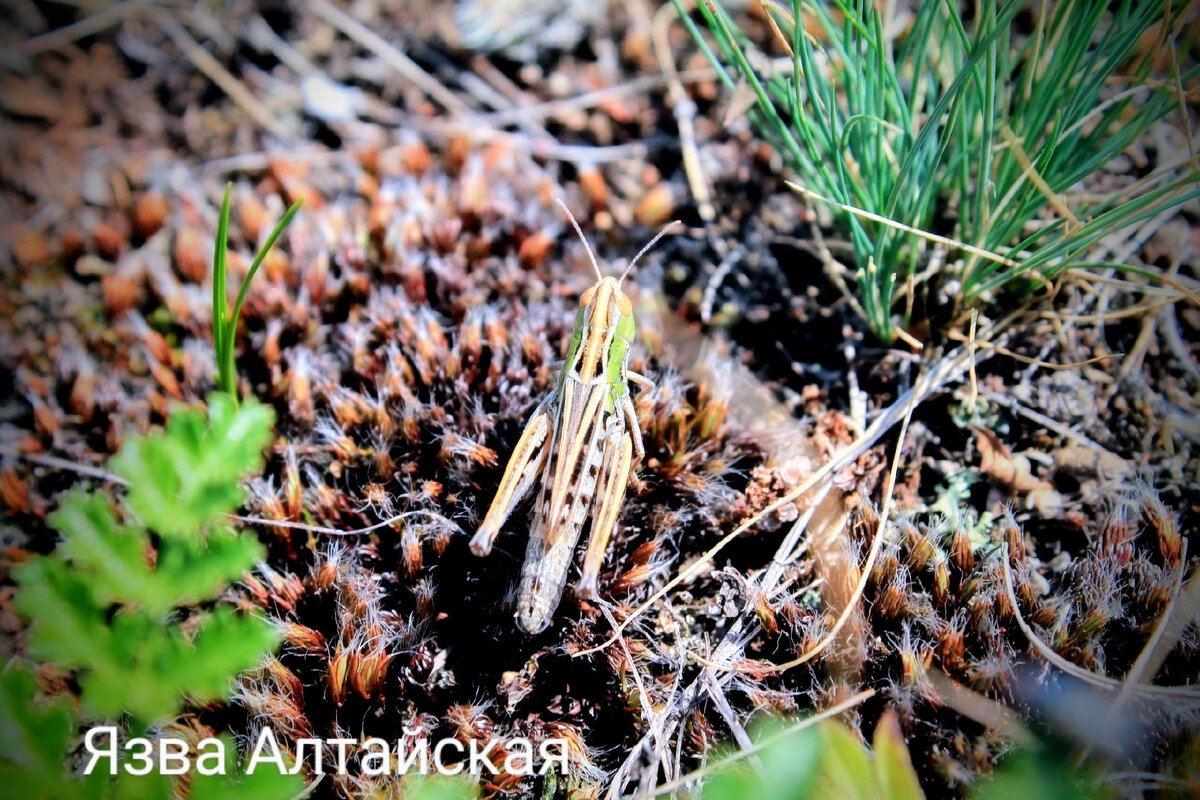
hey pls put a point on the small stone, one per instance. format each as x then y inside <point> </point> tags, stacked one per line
<point>190,257</point>
<point>95,188</point>
<point>31,249</point>
<point>655,207</point>
<point>91,265</point>
<point>151,210</point>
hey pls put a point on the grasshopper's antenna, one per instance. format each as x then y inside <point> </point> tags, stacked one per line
<point>582,238</point>
<point>649,244</point>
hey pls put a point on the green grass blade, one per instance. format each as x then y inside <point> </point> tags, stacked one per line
<point>258,259</point>
<point>220,301</point>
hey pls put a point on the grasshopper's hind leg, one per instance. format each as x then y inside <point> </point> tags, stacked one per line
<point>635,429</point>
<point>523,470</point>
<point>618,457</point>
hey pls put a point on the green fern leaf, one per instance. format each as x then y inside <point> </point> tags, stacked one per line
<point>36,737</point>
<point>68,627</point>
<point>58,784</point>
<point>113,559</point>
<point>104,604</point>
<point>227,644</point>
<point>160,667</point>
<point>182,481</point>
<point>191,571</point>
<point>31,737</point>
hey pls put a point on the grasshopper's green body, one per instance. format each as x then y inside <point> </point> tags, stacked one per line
<point>579,444</point>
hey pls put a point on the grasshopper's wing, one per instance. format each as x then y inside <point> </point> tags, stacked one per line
<point>573,471</point>
<point>618,457</point>
<point>523,470</point>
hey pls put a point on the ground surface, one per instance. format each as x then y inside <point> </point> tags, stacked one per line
<point>414,315</point>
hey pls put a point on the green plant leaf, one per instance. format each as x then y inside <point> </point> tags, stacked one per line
<point>904,130</point>
<point>67,626</point>
<point>134,663</point>
<point>224,322</point>
<point>1029,773</point>
<point>113,560</point>
<point>182,481</point>
<point>190,571</point>
<point>99,604</point>
<point>53,784</point>
<point>733,782</point>
<point>227,644</point>
<point>440,787</point>
<point>264,784</point>
<point>113,557</point>
<point>893,766</point>
<point>32,737</point>
<point>152,786</point>
<point>846,769</point>
<point>789,766</point>
<point>160,666</point>
<point>267,783</point>
<point>36,739</point>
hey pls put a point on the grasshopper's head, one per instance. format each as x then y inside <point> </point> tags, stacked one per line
<point>604,305</point>
<point>603,330</point>
<point>606,294</point>
<point>604,326</point>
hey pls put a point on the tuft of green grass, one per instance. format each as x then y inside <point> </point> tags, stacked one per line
<point>224,322</point>
<point>969,121</point>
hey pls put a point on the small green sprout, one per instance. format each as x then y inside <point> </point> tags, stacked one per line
<point>224,323</point>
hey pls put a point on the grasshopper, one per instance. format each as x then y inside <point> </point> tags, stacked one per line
<point>579,445</point>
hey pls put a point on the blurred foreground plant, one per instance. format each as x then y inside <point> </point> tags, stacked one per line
<point>823,761</point>
<point>829,762</point>
<point>995,128</point>
<point>125,604</point>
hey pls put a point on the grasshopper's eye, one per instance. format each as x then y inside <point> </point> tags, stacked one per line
<point>623,304</point>
<point>586,300</point>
